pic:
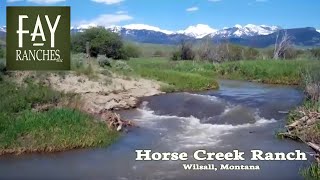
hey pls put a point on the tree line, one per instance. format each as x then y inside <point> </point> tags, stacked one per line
<point>224,51</point>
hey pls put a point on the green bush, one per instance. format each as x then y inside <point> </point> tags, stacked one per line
<point>78,60</point>
<point>132,51</point>
<point>186,51</point>
<point>176,56</point>
<point>121,66</point>
<point>103,61</point>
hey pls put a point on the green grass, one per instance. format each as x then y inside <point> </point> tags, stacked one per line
<point>151,50</point>
<point>199,75</point>
<point>267,71</point>
<point>311,132</point>
<point>22,129</point>
<point>312,172</point>
<point>51,131</point>
<point>178,75</point>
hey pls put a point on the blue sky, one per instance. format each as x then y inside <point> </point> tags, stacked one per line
<point>179,14</point>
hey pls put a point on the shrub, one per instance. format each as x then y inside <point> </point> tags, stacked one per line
<point>186,51</point>
<point>311,82</point>
<point>176,56</point>
<point>132,51</point>
<point>315,53</point>
<point>121,66</point>
<point>106,72</point>
<point>103,61</point>
<point>292,53</point>
<point>77,60</point>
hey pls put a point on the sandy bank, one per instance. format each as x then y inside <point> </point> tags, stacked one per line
<point>104,93</point>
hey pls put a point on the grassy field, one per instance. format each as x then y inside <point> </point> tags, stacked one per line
<point>22,129</point>
<point>286,72</point>
<point>178,75</point>
<point>155,50</point>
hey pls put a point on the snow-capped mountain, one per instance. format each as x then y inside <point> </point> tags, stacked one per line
<point>318,30</point>
<point>245,31</point>
<point>248,35</point>
<point>198,31</point>
<point>3,29</point>
<point>146,27</point>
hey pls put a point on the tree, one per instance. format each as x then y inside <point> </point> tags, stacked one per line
<point>281,45</point>
<point>186,51</point>
<point>207,50</point>
<point>101,41</point>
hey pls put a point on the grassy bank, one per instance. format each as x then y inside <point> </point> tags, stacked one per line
<point>303,123</point>
<point>200,75</point>
<point>286,72</point>
<point>23,129</point>
<point>178,75</point>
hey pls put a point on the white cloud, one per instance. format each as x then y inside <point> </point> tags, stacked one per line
<point>106,20</point>
<point>45,1</point>
<point>108,2</point>
<point>261,0</point>
<point>192,9</point>
<point>214,0</point>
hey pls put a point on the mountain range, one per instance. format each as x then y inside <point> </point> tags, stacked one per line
<point>259,36</point>
<point>249,35</point>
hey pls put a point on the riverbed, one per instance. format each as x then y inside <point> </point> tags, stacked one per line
<point>240,115</point>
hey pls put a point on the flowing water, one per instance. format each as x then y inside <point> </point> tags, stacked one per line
<point>240,115</point>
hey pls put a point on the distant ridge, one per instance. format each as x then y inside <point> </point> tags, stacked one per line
<point>259,36</point>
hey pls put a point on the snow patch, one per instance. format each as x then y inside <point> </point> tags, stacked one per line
<point>198,31</point>
<point>146,27</point>
<point>247,30</point>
